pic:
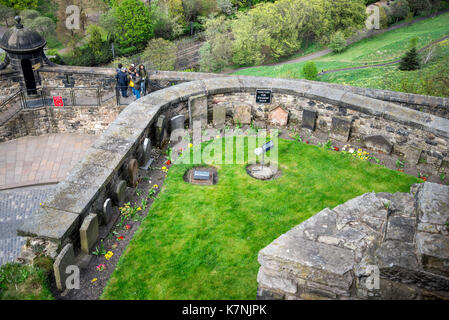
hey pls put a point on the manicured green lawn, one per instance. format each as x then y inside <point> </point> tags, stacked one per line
<point>201,242</point>
<point>379,49</point>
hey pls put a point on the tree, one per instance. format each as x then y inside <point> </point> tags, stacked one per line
<point>411,59</point>
<point>161,53</point>
<point>399,10</point>
<point>310,71</point>
<point>419,6</point>
<point>337,42</point>
<point>44,25</point>
<point>20,4</point>
<point>5,14</point>
<point>226,7</point>
<point>134,25</point>
<point>95,42</point>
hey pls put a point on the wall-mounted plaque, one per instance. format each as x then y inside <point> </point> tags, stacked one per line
<point>263,96</point>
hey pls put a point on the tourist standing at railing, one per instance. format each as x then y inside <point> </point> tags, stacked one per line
<point>122,82</point>
<point>137,79</point>
<point>144,74</point>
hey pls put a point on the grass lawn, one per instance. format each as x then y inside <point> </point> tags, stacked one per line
<point>201,242</point>
<point>378,49</point>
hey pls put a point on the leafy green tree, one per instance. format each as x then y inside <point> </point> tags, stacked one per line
<point>6,14</point>
<point>134,24</point>
<point>343,15</point>
<point>310,71</point>
<point>161,53</point>
<point>419,6</point>
<point>44,25</point>
<point>337,42</point>
<point>399,9</point>
<point>95,41</point>
<point>20,4</point>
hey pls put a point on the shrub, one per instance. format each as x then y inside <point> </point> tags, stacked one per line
<point>337,42</point>
<point>399,10</point>
<point>411,59</point>
<point>310,71</point>
<point>161,53</point>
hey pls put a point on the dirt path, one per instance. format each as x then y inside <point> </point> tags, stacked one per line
<point>358,37</point>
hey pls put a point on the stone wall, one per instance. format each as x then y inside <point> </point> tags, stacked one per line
<point>103,172</point>
<point>376,246</point>
<point>35,122</point>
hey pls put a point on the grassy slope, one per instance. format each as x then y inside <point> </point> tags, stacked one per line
<point>201,242</point>
<point>379,49</point>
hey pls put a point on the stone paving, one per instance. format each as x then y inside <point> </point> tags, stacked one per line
<point>17,205</point>
<point>32,161</point>
<point>38,160</point>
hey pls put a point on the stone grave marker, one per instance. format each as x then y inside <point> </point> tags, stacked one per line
<point>219,116</point>
<point>198,109</point>
<point>242,114</point>
<point>309,119</point>
<point>107,212</point>
<point>412,156</point>
<point>341,127</point>
<point>133,173</point>
<point>89,232</point>
<point>177,122</point>
<point>120,192</point>
<point>278,117</point>
<point>64,259</point>
<point>161,129</point>
<point>379,143</point>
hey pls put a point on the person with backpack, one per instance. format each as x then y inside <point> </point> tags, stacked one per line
<point>137,79</point>
<point>122,82</point>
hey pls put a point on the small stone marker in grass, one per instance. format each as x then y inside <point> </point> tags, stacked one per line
<point>120,192</point>
<point>132,173</point>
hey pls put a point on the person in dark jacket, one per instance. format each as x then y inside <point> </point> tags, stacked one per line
<point>137,79</point>
<point>144,75</point>
<point>122,81</point>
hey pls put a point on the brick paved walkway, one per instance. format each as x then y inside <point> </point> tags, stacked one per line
<point>39,160</point>
<point>16,206</point>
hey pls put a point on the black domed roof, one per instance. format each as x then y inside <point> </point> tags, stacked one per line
<point>21,40</point>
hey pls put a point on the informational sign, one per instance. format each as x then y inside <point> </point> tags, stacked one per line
<point>263,96</point>
<point>58,102</point>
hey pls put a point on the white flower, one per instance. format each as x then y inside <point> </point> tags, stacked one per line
<point>351,150</point>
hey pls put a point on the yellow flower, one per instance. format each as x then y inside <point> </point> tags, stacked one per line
<point>155,186</point>
<point>139,208</point>
<point>93,280</point>
<point>218,137</point>
<point>108,255</point>
<point>164,168</point>
<point>190,145</point>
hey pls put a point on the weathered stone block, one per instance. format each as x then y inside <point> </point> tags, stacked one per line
<point>309,119</point>
<point>378,143</point>
<point>161,129</point>
<point>133,173</point>
<point>64,259</point>
<point>412,155</point>
<point>120,192</point>
<point>177,122</point>
<point>401,228</point>
<point>341,128</point>
<point>433,250</point>
<point>242,114</point>
<point>198,109</point>
<point>89,232</point>
<point>433,204</point>
<point>277,282</point>
<point>278,117</point>
<point>219,116</point>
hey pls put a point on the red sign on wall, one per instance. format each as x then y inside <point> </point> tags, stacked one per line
<point>57,100</point>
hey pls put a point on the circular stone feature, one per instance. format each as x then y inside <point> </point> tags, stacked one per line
<point>201,176</point>
<point>266,172</point>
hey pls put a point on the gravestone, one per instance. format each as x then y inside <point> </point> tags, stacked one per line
<point>65,258</point>
<point>198,109</point>
<point>89,232</point>
<point>379,143</point>
<point>120,192</point>
<point>133,173</point>
<point>107,211</point>
<point>309,119</point>
<point>242,114</point>
<point>144,151</point>
<point>219,116</point>
<point>161,129</point>
<point>177,122</point>
<point>412,156</point>
<point>341,128</point>
<point>278,117</point>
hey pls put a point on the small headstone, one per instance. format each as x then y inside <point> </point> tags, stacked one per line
<point>379,143</point>
<point>278,117</point>
<point>89,232</point>
<point>309,119</point>
<point>133,171</point>
<point>219,116</point>
<point>198,109</point>
<point>201,175</point>
<point>120,192</point>
<point>64,259</point>
<point>161,129</point>
<point>341,128</point>
<point>107,211</point>
<point>412,156</point>
<point>242,114</point>
<point>177,122</point>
